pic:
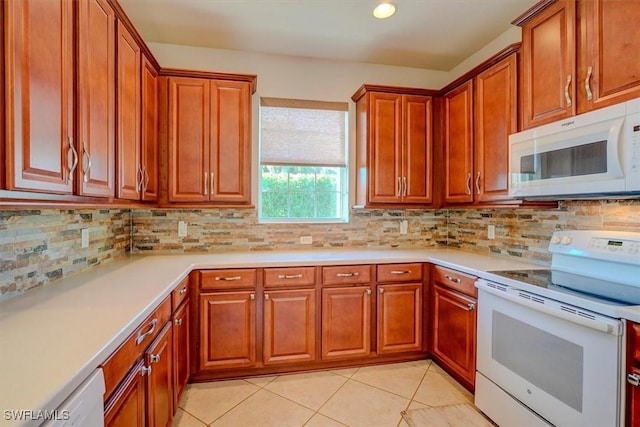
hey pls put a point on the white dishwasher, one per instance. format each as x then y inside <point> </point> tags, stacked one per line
<point>84,406</point>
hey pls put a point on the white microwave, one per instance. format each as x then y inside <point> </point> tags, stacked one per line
<point>596,154</point>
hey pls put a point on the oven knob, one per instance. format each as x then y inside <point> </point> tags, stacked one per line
<point>555,240</point>
<point>565,240</point>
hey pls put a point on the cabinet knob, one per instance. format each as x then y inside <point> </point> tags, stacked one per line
<point>154,358</point>
<point>178,322</point>
<point>633,379</point>
<point>146,370</point>
<point>252,296</point>
<point>266,296</point>
<point>471,306</point>
<point>381,290</point>
<point>368,291</point>
<point>182,291</point>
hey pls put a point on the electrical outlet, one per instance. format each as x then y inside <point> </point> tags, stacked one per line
<point>182,229</point>
<point>306,240</point>
<point>404,226</point>
<point>85,238</point>
<point>491,232</point>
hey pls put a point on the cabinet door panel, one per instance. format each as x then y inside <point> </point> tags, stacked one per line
<point>188,140</point>
<point>385,150</point>
<point>40,103</point>
<point>459,144</point>
<point>227,330</point>
<point>548,45</point>
<point>127,406</point>
<point>346,327</point>
<point>159,356</point>
<point>149,148</point>
<point>230,170</point>
<point>289,326</point>
<point>399,318</point>
<point>495,119</point>
<point>417,149</point>
<point>128,117</point>
<point>181,352</point>
<point>612,53</point>
<point>96,98</point>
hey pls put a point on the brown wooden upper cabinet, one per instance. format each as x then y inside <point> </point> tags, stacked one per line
<point>209,140</point>
<point>479,115</point>
<point>578,56</point>
<point>149,141</point>
<point>394,146</point>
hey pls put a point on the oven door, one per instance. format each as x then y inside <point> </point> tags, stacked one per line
<point>558,360</point>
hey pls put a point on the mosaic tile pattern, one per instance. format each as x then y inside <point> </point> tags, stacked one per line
<point>38,246</point>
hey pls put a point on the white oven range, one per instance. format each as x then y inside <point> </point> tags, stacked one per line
<point>550,342</point>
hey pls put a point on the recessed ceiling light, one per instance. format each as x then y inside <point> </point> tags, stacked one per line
<point>384,10</point>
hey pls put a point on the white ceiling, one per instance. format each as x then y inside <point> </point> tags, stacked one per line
<point>429,34</point>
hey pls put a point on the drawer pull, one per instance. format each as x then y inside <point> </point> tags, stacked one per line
<point>178,322</point>
<point>634,380</point>
<point>400,271</point>
<point>354,274</point>
<point>182,291</point>
<point>146,370</point>
<point>154,358</point>
<point>452,279</point>
<point>567,96</point>
<point>151,330</point>
<point>289,276</point>
<point>229,279</point>
<point>587,86</point>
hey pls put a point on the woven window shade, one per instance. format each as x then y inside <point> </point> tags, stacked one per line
<point>299,132</point>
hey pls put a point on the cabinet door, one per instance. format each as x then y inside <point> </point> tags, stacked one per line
<point>230,139</point>
<point>454,332</point>
<point>346,322</point>
<point>549,65</point>
<point>495,119</point>
<point>458,144</point>
<point>612,68</point>
<point>159,357</point>
<point>127,406</point>
<point>181,353</point>
<point>289,326</point>
<point>417,172</point>
<point>188,140</point>
<point>399,318</point>
<point>130,175</point>
<point>227,330</point>
<point>149,148</point>
<point>39,93</point>
<point>96,97</point>
<point>385,148</point>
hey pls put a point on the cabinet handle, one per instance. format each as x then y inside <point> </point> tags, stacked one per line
<point>452,279</point>
<point>252,296</point>
<point>354,274</point>
<point>146,370</point>
<point>468,183</point>
<point>154,358</point>
<point>404,186</point>
<point>266,296</point>
<point>139,179</point>
<point>478,183</point>
<point>151,330</point>
<point>400,271</point>
<point>587,85</point>
<point>178,322</point>
<point>633,379</point>
<point>399,189</point>
<point>381,290</point>
<point>566,91</point>
<point>368,292</point>
<point>74,159</point>
<point>289,276</point>
<point>471,306</point>
<point>211,188</point>
<point>206,183</point>
<point>228,279</point>
<point>85,152</point>
<point>182,291</point>
<point>146,180</point>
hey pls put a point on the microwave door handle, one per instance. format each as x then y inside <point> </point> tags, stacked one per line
<point>614,147</point>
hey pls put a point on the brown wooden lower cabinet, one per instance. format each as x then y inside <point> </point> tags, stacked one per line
<point>399,318</point>
<point>127,407</point>
<point>346,325</point>
<point>181,352</point>
<point>159,379</point>
<point>632,373</point>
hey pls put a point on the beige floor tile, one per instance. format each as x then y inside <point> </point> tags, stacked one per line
<point>265,409</point>
<point>357,404</point>
<point>311,390</point>
<point>446,416</point>
<point>434,367</point>
<point>208,401</point>
<point>260,381</point>
<point>398,378</point>
<point>184,419</point>
<point>439,390</point>
<point>319,420</point>
<point>424,364</point>
<point>346,372</point>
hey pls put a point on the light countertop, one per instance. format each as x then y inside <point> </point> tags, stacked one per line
<point>52,338</point>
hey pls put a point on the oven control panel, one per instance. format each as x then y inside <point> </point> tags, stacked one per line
<point>619,246</point>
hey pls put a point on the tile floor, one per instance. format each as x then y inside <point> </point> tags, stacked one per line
<point>368,396</point>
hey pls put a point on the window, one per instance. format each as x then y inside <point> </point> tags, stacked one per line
<point>303,164</point>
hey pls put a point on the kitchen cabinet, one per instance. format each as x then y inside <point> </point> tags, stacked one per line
<point>181,320</point>
<point>453,322</point>
<point>96,98</point>
<point>159,381</point>
<point>577,56</point>
<point>130,174</point>
<point>394,146</point>
<point>209,145</point>
<point>346,325</point>
<point>633,374</point>
<point>149,137</point>
<point>127,408</point>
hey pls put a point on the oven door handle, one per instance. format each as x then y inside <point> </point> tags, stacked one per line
<point>552,308</point>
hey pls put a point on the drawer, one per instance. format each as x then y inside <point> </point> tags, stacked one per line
<point>228,279</point>
<point>455,280</point>
<point>179,294</point>
<point>346,274</point>
<point>633,343</point>
<point>289,276</point>
<point>400,272</point>
<point>121,361</point>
